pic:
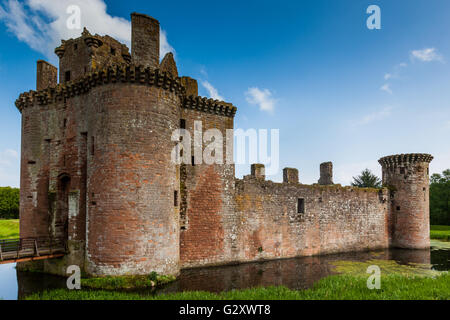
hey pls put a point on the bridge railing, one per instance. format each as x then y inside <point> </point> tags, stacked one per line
<point>30,247</point>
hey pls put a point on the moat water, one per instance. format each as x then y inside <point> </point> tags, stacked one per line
<point>298,273</point>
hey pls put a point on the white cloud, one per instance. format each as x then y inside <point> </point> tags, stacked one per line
<point>213,93</point>
<point>262,98</point>
<point>41,24</point>
<point>387,88</point>
<point>426,55</point>
<point>395,74</point>
<point>164,45</point>
<point>9,168</point>
<point>375,116</point>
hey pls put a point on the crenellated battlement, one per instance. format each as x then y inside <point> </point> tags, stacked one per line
<point>209,106</point>
<point>394,160</point>
<point>113,74</point>
<point>124,74</point>
<point>290,179</point>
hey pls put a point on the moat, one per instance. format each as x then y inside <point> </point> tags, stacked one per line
<point>298,273</point>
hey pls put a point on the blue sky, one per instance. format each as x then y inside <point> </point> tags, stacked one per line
<point>336,90</point>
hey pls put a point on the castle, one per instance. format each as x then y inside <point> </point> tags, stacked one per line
<point>96,170</point>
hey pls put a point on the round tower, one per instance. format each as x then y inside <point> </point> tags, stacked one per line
<point>407,175</point>
<point>133,185</point>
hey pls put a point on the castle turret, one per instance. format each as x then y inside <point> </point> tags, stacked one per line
<point>407,175</point>
<point>78,57</point>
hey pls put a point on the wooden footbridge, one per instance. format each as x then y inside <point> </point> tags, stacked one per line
<point>30,249</point>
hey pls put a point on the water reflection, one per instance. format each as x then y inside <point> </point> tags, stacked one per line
<point>298,273</point>
<point>29,283</point>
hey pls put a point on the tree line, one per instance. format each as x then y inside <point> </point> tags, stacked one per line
<point>9,203</point>
<point>440,198</point>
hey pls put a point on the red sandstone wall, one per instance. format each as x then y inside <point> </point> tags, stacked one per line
<point>409,219</point>
<point>34,218</point>
<point>132,221</point>
<point>336,219</point>
<point>114,146</point>
<point>208,234</point>
<point>52,147</point>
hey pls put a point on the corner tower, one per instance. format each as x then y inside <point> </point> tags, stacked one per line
<point>407,175</point>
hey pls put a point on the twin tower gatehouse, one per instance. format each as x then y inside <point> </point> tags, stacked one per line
<point>96,170</point>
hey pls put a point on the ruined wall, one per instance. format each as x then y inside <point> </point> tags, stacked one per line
<point>335,219</point>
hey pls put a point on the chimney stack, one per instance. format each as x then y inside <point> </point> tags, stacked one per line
<point>290,175</point>
<point>326,174</point>
<point>258,171</point>
<point>144,40</point>
<point>46,75</point>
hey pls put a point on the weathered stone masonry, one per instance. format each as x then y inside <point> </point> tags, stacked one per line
<point>96,169</point>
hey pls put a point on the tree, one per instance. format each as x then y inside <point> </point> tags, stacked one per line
<point>440,198</point>
<point>366,180</point>
<point>9,203</point>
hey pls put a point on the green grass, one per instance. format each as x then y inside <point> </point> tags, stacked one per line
<point>126,282</point>
<point>339,287</point>
<point>440,233</point>
<point>9,229</point>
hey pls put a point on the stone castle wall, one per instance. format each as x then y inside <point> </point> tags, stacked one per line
<point>208,217</point>
<point>281,220</point>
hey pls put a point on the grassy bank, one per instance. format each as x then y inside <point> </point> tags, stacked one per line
<point>9,229</point>
<point>340,287</point>
<point>440,233</point>
<point>127,282</point>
